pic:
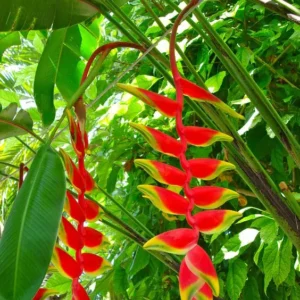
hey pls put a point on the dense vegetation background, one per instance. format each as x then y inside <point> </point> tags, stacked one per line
<point>254,259</point>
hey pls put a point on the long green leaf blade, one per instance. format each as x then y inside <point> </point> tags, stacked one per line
<point>30,231</point>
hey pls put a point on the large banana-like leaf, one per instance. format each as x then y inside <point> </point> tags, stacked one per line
<point>13,123</point>
<point>31,228</point>
<point>46,14</point>
<point>61,64</point>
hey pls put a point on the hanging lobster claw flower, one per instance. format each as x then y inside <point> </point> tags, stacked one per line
<point>189,283</point>
<point>92,210</point>
<point>94,240</point>
<point>162,172</point>
<point>204,293</point>
<point>197,93</point>
<point>215,221</point>
<point>78,141</point>
<point>72,171</point>
<point>208,168</point>
<point>164,105</point>
<point>176,241</point>
<point>79,293</point>
<point>65,263</point>
<point>200,264</point>
<point>159,141</point>
<point>165,200</point>
<point>44,293</point>
<point>209,197</point>
<point>203,137</point>
<point>94,265</point>
<point>73,208</point>
<point>69,235</point>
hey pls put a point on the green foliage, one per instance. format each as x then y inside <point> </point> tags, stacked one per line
<point>13,123</point>
<point>25,252</point>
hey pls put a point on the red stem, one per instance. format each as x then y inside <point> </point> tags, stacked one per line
<point>179,125</point>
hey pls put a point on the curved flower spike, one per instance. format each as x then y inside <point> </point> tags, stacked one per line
<point>215,221</point>
<point>94,265</point>
<point>204,293</point>
<point>92,210</point>
<point>164,105</point>
<point>69,235</point>
<point>209,197</point>
<point>94,240</point>
<point>73,208</point>
<point>159,141</point>
<point>203,137</point>
<point>176,241</point>
<point>79,293</point>
<point>162,172</point>
<point>65,263</point>
<point>197,93</point>
<point>165,200</point>
<point>72,171</point>
<point>208,168</point>
<point>200,264</point>
<point>44,293</point>
<point>189,283</point>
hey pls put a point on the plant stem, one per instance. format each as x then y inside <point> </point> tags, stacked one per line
<point>25,144</point>
<point>125,211</point>
<point>289,6</point>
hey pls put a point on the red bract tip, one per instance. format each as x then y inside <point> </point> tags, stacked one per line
<point>159,141</point>
<point>89,181</point>
<point>69,235</point>
<point>204,293</point>
<point>189,283</point>
<point>177,241</point>
<point>164,105</point>
<point>165,200</point>
<point>79,293</point>
<point>65,263</point>
<point>209,197</point>
<point>94,265</point>
<point>94,240</point>
<point>215,221</point>
<point>72,171</point>
<point>162,172</point>
<point>200,264</point>
<point>44,293</point>
<point>208,168</point>
<point>73,208</point>
<point>197,93</point>
<point>203,137</point>
<point>92,210</point>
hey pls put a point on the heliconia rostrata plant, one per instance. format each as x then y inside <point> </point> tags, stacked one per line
<point>197,276</point>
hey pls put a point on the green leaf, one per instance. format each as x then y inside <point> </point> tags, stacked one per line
<point>269,232</point>
<point>251,291</point>
<point>282,266</point>
<point>31,228</point>
<point>295,293</point>
<point>140,261</point>
<point>59,283</point>
<point>236,278</point>
<point>58,65</point>
<point>269,258</point>
<point>214,83</point>
<point>8,40</point>
<point>120,281</point>
<point>48,14</point>
<point>13,123</point>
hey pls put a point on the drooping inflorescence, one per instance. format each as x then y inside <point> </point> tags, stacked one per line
<point>197,276</point>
